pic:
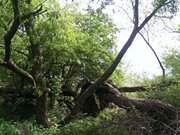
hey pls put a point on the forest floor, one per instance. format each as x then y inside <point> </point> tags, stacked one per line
<point>113,120</point>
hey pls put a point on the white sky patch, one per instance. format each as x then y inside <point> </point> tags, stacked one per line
<point>139,58</point>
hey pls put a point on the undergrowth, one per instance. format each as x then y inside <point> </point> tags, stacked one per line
<point>109,122</point>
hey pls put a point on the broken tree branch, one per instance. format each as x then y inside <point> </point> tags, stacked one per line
<point>132,89</point>
<point>155,54</point>
<point>110,85</point>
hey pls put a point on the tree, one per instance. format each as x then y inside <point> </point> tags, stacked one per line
<point>51,45</point>
<point>36,75</point>
<point>137,27</point>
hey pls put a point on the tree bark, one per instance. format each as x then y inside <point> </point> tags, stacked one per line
<point>42,110</point>
<point>156,109</point>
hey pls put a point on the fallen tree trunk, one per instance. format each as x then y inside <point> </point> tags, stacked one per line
<point>108,93</point>
<point>111,85</point>
<point>133,89</point>
<point>156,109</point>
<point>143,105</point>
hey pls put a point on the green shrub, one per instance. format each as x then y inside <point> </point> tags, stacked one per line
<point>101,125</point>
<point>170,94</point>
<point>93,126</point>
<point>8,128</point>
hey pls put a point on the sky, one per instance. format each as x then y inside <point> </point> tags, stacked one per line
<point>139,59</point>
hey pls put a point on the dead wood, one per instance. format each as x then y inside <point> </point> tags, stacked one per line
<point>108,93</point>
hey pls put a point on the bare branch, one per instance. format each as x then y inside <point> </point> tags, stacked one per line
<point>132,89</point>
<point>136,13</point>
<point>111,85</point>
<point>164,16</point>
<point>33,13</point>
<point>40,4</point>
<point>155,54</point>
<point>146,20</point>
<point>127,13</point>
<point>136,17</point>
<point>178,31</point>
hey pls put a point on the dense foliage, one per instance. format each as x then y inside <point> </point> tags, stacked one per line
<point>75,45</point>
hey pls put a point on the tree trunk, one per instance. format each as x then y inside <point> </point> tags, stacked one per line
<point>154,108</point>
<point>36,59</point>
<point>42,110</point>
<point>158,110</point>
